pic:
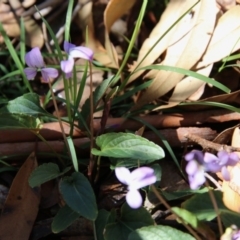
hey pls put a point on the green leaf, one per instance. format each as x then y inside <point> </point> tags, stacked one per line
<point>101,222</point>
<point>186,216</point>
<point>64,218</point>
<point>45,173</point>
<point>18,120</point>
<point>127,145</point>
<point>189,73</point>
<point>181,194</point>
<point>130,220</point>
<point>78,194</point>
<point>201,206</point>
<point>229,218</point>
<point>159,232</point>
<point>27,104</point>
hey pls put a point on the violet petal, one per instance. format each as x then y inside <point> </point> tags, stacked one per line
<point>48,73</point>
<point>209,157</point>
<point>67,66</point>
<point>142,177</point>
<point>192,167</point>
<point>134,198</point>
<point>67,46</point>
<point>194,155</point>
<point>233,159</point>
<point>81,52</point>
<point>30,73</point>
<point>34,58</point>
<point>123,175</point>
<point>223,157</point>
<point>197,179</point>
<point>225,173</point>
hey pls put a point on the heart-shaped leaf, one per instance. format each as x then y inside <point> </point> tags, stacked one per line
<point>79,196</point>
<point>127,145</point>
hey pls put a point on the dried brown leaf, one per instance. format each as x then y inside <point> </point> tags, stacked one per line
<point>114,10</point>
<point>173,11</point>
<point>85,21</point>
<point>225,39</point>
<point>203,21</point>
<point>21,207</point>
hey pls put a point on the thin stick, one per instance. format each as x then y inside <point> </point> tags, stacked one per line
<point>215,208</point>
<point>91,160</point>
<point>163,201</point>
<point>213,180</point>
<point>59,119</point>
<point>208,145</point>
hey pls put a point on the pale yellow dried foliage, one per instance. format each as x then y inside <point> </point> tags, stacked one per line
<point>191,48</point>
<point>231,189</point>
<point>173,11</point>
<point>114,10</point>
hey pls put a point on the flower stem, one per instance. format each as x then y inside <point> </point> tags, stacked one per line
<point>91,160</point>
<point>163,201</point>
<point>214,202</point>
<point>59,119</point>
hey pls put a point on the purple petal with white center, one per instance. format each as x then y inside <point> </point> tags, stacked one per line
<point>30,73</point>
<point>123,175</point>
<point>134,198</point>
<point>81,52</point>
<point>67,66</point>
<point>67,46</point>
<point>48,73</point>
<point>233,159</point>
<point>142,177</point>
<point>197,179</point>
<point>192,167</point>
<point>34,58</point>
<point>225,173</point>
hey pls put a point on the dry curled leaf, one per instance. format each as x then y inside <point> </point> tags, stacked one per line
<point>225,39</point>
<point>174,10</point>
<point>202,23</point>
<point>21,206</point>
<point>85,20</point>
<point>114,10</point>
<point>231,189</point>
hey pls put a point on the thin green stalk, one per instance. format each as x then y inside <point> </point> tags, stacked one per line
<point>132,42</point>
<point>91,161</point>
<point>60,121</point>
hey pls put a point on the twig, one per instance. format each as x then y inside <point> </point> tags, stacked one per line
<point>211,146</point>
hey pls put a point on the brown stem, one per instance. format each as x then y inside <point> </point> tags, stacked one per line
<point>215,207</point>
<point>163,201</point>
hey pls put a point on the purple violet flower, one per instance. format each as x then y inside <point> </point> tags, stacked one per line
<point>35,63</point>
<point>138,178</point>
<point>74,52</point>
<point>199,163</point>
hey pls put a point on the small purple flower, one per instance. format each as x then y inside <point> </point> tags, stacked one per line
<point>74,52</point>
<point>195,168</point>
<point>199,163</point>
<point>138,178</point>
<point>35,63</point>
